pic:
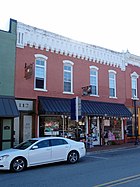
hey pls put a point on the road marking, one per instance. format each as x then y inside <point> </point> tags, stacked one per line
<point>97,157</point>
<point>120,181</point>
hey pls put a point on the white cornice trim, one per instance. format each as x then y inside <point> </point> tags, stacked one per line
<point>42,39</point>
<point>131,59</point>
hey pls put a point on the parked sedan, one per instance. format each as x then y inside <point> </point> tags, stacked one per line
<point>38,151</point>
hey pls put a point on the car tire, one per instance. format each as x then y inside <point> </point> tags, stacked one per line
<point>18,164</point>
<point>73,157</point>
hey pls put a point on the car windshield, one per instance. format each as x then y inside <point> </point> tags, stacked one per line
<point>25,145</point>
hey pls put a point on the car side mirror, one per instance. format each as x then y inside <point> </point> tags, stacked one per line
<point>34,147</point>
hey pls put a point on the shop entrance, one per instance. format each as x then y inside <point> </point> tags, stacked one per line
<point>6,135</point>
<point>95,131</point>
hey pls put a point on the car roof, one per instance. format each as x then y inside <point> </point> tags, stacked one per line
<point>53,137</point>
<point>49,137</point>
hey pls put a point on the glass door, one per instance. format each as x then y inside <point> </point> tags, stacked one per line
<point>95,131</point>
<point>7,130</point>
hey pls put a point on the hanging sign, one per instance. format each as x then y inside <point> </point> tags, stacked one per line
<point>28,71</point>
<point>76,113</point>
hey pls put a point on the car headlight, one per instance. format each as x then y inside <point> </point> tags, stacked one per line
<point>3,157</point>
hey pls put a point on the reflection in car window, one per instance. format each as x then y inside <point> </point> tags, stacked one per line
<point>42,144</point>
<point>25,145</point>
<point>55,142</point>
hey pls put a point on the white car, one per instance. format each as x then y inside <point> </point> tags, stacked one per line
<point>38,151</point>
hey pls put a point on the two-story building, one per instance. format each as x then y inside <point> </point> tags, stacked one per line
<point>51,70</point>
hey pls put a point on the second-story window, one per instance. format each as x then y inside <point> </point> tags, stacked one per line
<point>112,83</point>
<point>20,37</point>
<point>94,80</point>
<point>40,72</point>
<point>134,77</point>
<point>68,76</point>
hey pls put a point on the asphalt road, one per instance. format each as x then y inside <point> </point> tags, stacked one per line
<point>109,168</point>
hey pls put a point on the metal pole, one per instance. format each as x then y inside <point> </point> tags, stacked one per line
<point>63,125</point>
<point>135,122</point>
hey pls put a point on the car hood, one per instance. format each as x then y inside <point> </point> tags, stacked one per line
<point>9,151</point>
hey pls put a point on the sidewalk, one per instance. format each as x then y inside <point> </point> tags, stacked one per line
<point>111,147</point>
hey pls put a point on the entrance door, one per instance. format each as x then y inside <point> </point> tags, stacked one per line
<point>7,129</point>
<point>27,127</point>
<point>95,131</point>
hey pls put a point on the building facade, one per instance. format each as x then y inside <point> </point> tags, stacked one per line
<point>52,70</point>
<point>8,108</point>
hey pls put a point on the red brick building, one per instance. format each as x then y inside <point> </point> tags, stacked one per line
<point>51,70</point>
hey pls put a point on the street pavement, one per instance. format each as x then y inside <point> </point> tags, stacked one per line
<point>112,165</point>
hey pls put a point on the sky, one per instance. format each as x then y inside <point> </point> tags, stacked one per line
<point>112,24</point>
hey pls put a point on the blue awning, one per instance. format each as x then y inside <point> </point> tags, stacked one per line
<point>62,106</point>
<point>104,109</point>
<point>8,107</point>
<point>58,106</point>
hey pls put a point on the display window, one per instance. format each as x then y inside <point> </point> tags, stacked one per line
<point>77,130</point>
<point>130,128</point>
<point>112,129</point>
<point>61,126</point>
<point>50,126</point>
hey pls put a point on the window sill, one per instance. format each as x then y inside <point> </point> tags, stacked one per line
<point>68,93</point>
<point>40,90</point>
<point>137,99</point>
<point>94,95</point>
<point>113,97</point>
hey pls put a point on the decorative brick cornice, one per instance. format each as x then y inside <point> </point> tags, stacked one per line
<point>132,59</point>
<point>38,38</point>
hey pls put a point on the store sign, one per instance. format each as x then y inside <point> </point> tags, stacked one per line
<point>76,109</point>
<point>28,71</point>
<point>87,90</point>
<point>24,105</point>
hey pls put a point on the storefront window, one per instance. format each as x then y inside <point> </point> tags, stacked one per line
<point>77,130</point>
<point>129,128</point>
<point>50,126</point>
<point>112,127</point>
<point>61,126</point>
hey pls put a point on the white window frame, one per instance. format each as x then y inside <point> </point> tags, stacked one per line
<point>96,77</point>
<point>20,39</point>
<point>68,63</point>
<point>114,80</point>
<point>134,78</point>
<point>44,58</point>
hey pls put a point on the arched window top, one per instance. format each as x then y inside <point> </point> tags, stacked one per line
<point>134,74</point>
<point>41,56</point>
<point>68,62</point>
<point>112,71</point>
<point>94,67</point>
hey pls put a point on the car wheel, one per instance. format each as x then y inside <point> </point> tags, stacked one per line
<point>18,164</point>
<point>73,157</point>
